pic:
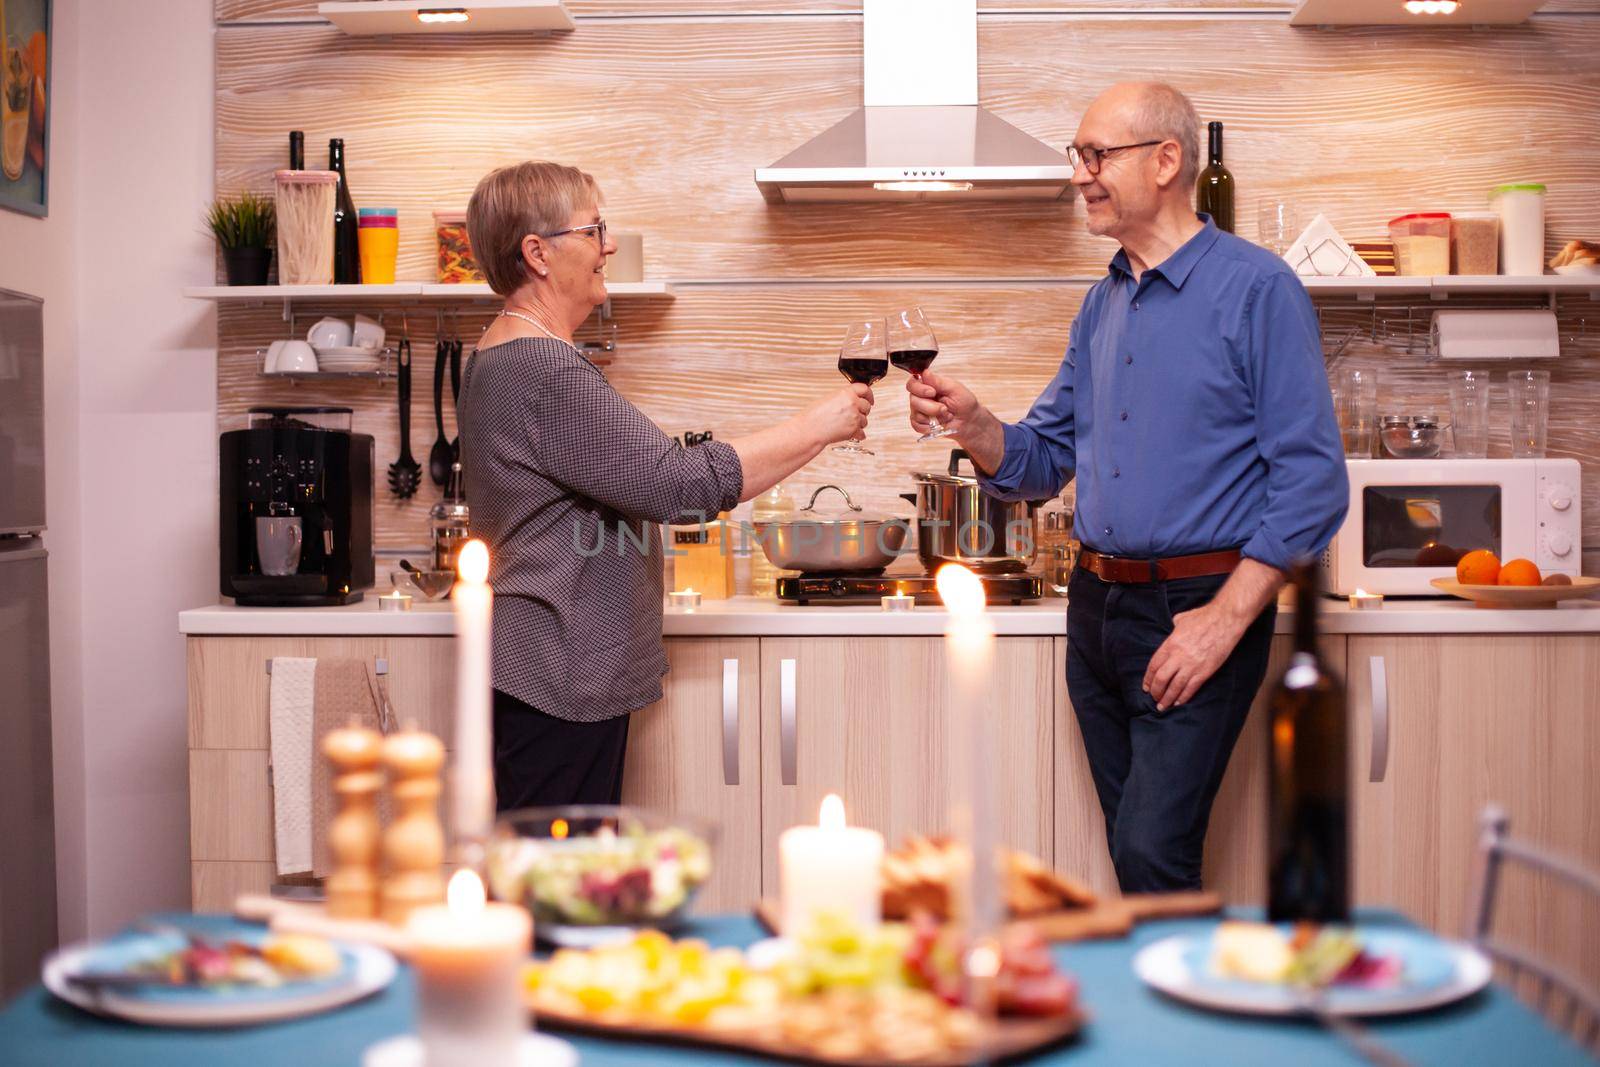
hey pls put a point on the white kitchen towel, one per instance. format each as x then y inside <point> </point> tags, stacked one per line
<point>292,710</point>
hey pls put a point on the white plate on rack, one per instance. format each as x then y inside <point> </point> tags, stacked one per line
<point>1578,269</point>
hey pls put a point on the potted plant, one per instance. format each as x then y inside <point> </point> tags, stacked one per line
<point>243,229</point>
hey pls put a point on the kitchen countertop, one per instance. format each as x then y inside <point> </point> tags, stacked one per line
<point>753,617</point>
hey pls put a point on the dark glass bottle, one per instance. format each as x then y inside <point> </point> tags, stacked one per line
<point>297,150</point>
<point>1213,190</point>
<point>346,225</point>
<point>1308,829</point>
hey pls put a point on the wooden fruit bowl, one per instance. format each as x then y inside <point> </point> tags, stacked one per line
<point>1518,596</point>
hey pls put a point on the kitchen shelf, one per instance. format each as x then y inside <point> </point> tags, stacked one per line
<point>372,18</point>
<point>1442,288</point>
<point>356,294</point>
<point>479,291</point>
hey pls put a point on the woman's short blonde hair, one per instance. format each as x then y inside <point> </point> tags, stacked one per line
<point>512,202</point>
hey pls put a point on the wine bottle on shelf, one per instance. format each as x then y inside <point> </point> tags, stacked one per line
<point>1213,190</point>
<point>1308,830</point>
<point>297,150</point>
<point>346,225</point>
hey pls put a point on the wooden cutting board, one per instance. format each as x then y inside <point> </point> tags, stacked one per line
<point>1107,917</point>
<point>1005,1039</point>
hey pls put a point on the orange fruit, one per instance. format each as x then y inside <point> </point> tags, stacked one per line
<point>1481,567</point>
<point>1519,572</point>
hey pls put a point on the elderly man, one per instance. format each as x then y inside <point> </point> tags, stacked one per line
<point>1193,408</point>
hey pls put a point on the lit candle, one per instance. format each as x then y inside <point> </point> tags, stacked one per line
<point>899,600</point>
<point>830,867</point>
<point>1361,600</point>
<point>468,955</point>
<point>394,600</point>
<point>473,784</point>
<point>684,600</point>
<point>969,652</point>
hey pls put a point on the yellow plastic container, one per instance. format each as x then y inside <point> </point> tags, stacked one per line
<point>379,238</point>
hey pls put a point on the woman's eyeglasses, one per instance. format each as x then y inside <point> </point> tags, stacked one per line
<point>598,228</point>
<point>1090,158</point>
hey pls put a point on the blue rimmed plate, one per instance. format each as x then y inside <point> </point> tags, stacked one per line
<point>1434,972</point>
<point>364,970</point>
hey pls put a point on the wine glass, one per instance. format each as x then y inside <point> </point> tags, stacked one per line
<point>862,359</point>
<point>912,348</point>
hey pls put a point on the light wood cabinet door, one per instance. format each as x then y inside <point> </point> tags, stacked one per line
<point>698,752</point>
<point>1236,838</point>
<point>1507,719</point>
<point>869,724</point>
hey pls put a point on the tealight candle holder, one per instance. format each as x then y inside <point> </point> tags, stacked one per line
<point>898,602</point>
<point>1361,600</point>
<point>394,600</point>
<point>684,600</point>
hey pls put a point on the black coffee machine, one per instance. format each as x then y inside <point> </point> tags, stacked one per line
<point>296,509</point>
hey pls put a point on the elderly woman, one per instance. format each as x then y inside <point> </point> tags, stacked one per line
<point>559,464</point>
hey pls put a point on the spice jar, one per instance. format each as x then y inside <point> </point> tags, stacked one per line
<point>304,207</point>
<point>1059,550</point>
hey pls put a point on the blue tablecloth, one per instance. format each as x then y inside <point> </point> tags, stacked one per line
<point>1129,1025</point>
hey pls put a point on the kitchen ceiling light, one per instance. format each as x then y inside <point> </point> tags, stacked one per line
<point>435,17</point>
<point>1432,7</point>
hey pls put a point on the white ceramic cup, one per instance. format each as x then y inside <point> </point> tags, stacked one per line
<point>274,351</point>
<point>329,333</point>
<point>278,543</point>
<point>295,357</point>
<point>367,333</point>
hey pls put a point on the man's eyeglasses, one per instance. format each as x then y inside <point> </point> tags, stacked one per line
<point>1090,158</point>
<point>598,228</point>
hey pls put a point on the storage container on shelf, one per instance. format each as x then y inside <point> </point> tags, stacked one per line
<point>1474,242</point>
<point>1421,243</point>
<point>1520,206</point>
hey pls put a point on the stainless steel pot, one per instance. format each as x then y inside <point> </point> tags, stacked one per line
<point>850,541</point>
<point>957,522</point>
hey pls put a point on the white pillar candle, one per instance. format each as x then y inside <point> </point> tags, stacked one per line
<point>830,867</point>
<point>468,955</point>
<point>974,809</point>
<point>472,788</point>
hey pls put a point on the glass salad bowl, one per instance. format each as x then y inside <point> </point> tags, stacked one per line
<point>594,874</point>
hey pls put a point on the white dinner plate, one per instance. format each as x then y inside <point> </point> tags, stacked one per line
<point>1434,973</point>
<point>366,970</point>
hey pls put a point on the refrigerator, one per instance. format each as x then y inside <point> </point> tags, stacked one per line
<point>27,807</point>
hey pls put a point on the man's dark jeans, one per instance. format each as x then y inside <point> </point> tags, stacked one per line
<point>1156,772</point>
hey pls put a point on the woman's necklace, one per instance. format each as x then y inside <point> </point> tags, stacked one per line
<point>536,324</point>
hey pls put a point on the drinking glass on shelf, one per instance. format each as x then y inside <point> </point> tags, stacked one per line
<point>1277,225</point>
<point>1529,393</point>
<point>1469,413</point>
<point>1355,405</point>
<point>912,348</point>
<point>863,359</point>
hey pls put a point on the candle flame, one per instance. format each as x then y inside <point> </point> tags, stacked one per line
<point>1361,592</point>
<point>559,829</point>
<point>465,895</point>
<point>960,589</point>
<point>472,562</point>
<point>831,815</point>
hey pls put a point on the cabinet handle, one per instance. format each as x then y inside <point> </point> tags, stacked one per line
<point>730,722</point>
<point>1380,720</point>
<point>786,747</point>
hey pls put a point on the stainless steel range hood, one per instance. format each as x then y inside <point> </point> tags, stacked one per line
<point>921,134</point>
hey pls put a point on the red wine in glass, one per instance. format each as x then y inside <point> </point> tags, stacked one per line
<point>862,359</point>
<point>912,347</point>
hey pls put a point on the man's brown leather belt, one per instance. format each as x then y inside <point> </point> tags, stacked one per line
<point>1120,570</point>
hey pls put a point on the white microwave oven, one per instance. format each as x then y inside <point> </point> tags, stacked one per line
<point>1410,520</point>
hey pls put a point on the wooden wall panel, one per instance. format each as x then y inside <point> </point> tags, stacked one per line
<point>671,118</point>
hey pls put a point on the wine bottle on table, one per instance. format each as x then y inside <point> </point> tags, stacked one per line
<point>1213,190</point>
<point>346,225</point>
<point>1308,831</point>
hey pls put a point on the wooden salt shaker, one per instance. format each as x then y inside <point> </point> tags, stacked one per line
<point>413,846</point>
<point>354,833</point>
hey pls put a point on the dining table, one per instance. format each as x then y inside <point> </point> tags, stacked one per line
<point>1127,1023</point>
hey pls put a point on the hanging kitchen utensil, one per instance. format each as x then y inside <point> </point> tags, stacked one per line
<point>404,473</point>
<point>442,454</point>
<point>455,397</point>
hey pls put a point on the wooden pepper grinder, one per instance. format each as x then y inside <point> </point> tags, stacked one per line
<point>354,833</point>
<point>413,846</point>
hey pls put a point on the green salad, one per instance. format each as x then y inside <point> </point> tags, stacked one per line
<point>609,877</point>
